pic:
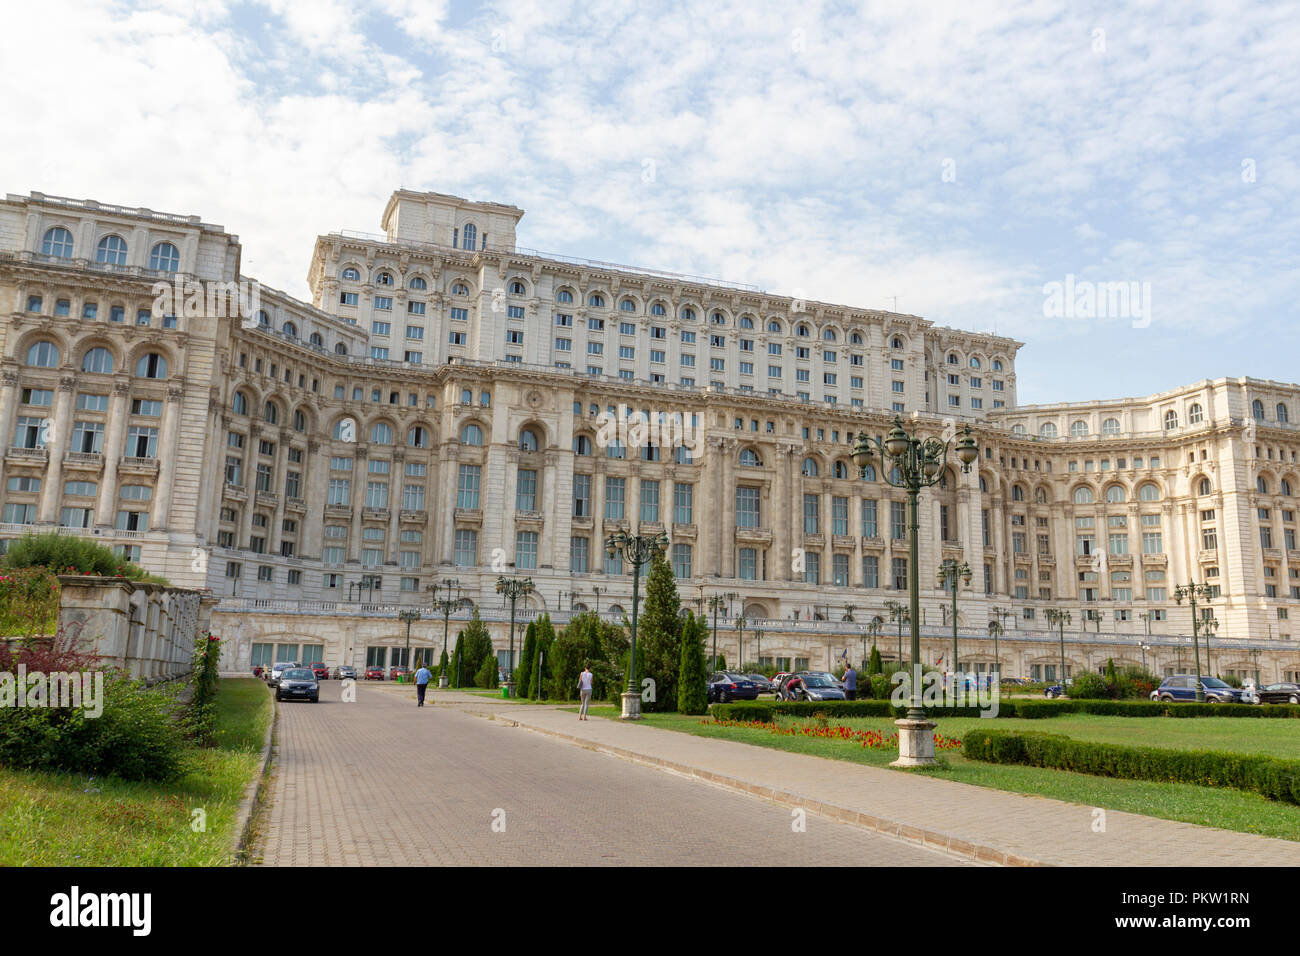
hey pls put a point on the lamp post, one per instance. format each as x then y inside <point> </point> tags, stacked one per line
<point>1146,620</point>
<point>995,631</point>
<point>898,613</point>
<point>873,628</point>
<point>916,463</point>
<point>446,606</point>
<point>513,589</point>
<point>1209,626</point>
<point>1058,618</point>
<point>410,616</point>
<point>717,603</point>
<point>1097,615</point>
<point>1145,648</point>
<point>1191,591</point>
<point>740,646</point>
<point>949,571</point>
<point>636,549</point>
<point>598,591</point>
<point>758,639</point>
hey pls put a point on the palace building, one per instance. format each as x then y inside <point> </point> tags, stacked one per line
<point>436,412</point>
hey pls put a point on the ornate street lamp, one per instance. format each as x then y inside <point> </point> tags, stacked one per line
<point>1145,648</point>
<point>873,628</point>
<point>513,589</point>
<point>446,605</point>
<point>917,463</point>
<point>409,615</point>
<point>758,639</point>
<point>898,612</point>
<point>1058,618</point>
<point>995,631</point>
<point>949,571</point>
<point>1191,591</point>
<point>717,602</point>
<point>1209,625</point>
<point>636,549</point>
<point>740,646</point>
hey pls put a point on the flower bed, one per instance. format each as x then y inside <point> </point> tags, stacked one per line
<point>870,739</point>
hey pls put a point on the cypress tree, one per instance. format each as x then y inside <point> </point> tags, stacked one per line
<point>1110,671</point>
<point>659,635</point>
<point>442,663</point>
<point>543,644</point>
<point>722,662</point>
<point>456,666</point>
<point>692,693</point>
<point>874,664</point>
<point>524,669</point>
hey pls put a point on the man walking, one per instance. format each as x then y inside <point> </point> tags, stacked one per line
<point>850,683</point>
<point>422,677</point>
<point>584,690</point>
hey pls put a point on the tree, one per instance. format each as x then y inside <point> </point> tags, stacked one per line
<point>456,672</point>
<point>692,691</point>
<point>486,676</point>
<point>442,664</point>
<point>722,662</point>
<point>1110,671</point>
<point>477,645</point>
<point>589,641</point>
<point>524,670</point>
<point>659,635</point>
<point>874,664</point>
<point>545,638</point>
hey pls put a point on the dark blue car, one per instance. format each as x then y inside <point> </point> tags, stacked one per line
<point>725,686</point>
<point>1183,687</point>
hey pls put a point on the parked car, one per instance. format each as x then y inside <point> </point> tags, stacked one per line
<point>1183,687</point>
<point>1283,693</point>
<point>345,672</point>
<point>817,685</point>
<point>1057,690</point>
<point>374,672</point>
<point>826,674</point>
<point>273,677</point>
<point>725,686</point>
<point>298,683</point>
<point>396,673</point>
<point>764,685</point>
<point>320,670</point>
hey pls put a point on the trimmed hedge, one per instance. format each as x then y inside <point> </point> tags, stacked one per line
<point>1025,709</point>
<point>1271,777</point>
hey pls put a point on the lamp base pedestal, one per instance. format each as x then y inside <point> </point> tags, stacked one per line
<point>631,707</point>
<point>915,743</point>
<point>442,681</point>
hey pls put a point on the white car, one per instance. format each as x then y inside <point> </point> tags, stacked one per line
<point>278,669</point>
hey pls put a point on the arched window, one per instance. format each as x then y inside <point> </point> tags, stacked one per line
<point>1040,496</point>
<point>98,360</point>
<point>383,277</point>
<point>165,257</point>
<point>841,470</point>
<point>57,243</point>
<point>418,437</point>
<point>596,300</point>
<point>152,365</point>
<point>1116,495</point>
<point>1017,493</point>
<point>1019,430</point>
<point>418,283</point>
<point>746,322</point>
<point>997,365</point>
<point>774,326</point>
<point>952,359</point>
<point>828,335</point>
<point>341,349</point>
<point>381,433</point>
<point>263,319</point>
<point>1110,426</point>
<point>459,288</point>
<point>518,288</point>
<point>469,236</point>
<point>974,362</point>
<point>564,295</point>
<point>316,340</point>
<point>351,275</point>
<point>1083,495</point>
<point>299,420</point>
<point>688,314</point>
<point>270,414</point>
<point>528,440</point>
<point>111,250</point>
<point>1282,416</point>
<point>627,305</point>
<point>855,338</point>
<point>1257,410</point>
<point>869,473</point>
<point>1261,485</point>
<point>239,403</point>
<point>810,469</point>
<point>749,458</point>
<point>658,309</point>
<point>1205,488</point>
<point>1284,488</point>
<point>290,330</point>
<point>1047,430</point>
<point>896,343</point>
<point>1195,414</point>
<point>984,485</point>
<point>718,318</point>
<point>581,445</point>
<point>1150,491</point>
<point>802,331</point>
<point>471,434</point>
<point>1171,419</point>
<point>1078,429</point>
<point>345,429</point>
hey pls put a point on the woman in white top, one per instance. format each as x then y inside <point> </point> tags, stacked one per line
<point>584,690</point>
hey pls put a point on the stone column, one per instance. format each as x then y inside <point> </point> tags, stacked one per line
<point>161,510</point>
<point>8,403</point>
<point>315,486</point>
<point>56,445</point>
<point>449,469</point>
<point>277,485</point>
<point>105,511</point>
<point>727,539</point>
<point>781,504</point>
<point>555,519</point>
<point>397,479</point>
<point>249,469</point>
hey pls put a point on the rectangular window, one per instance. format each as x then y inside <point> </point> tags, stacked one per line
<point>526,550</point>
<point>466,549</point>
<point>582,496</point>
<point>900,574</point>
<point>615,490</point>
<point>682,560</point>
<point>683,502</point>
<point>840,570</point>
<point>870,525</point>
<point>870,571</point>
<point>747,507</point>
<point>526,490</point>
<point>578,555</point>
<point>811,514</point>
<point>649,501</point>
<point>898,520</point>
<point>467,487</point>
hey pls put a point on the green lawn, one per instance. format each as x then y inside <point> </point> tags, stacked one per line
<point>55,819</point>
<point>1207,806</point>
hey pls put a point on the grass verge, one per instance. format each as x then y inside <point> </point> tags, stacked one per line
<point>59,819</point>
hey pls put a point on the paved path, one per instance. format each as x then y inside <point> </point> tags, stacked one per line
<point>981,823</point>
<point>380,782</point>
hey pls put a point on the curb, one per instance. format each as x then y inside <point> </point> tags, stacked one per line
<point>248,803</point>
<point>934,839</point>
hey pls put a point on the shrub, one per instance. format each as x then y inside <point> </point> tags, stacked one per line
<point>486,675</point>
<point>201,717</point>
<point>879,687</point>
<point>659,636</point>
<point>1271,777</point>
<point>29,602</point>
<point>64,554</point>
<point>1232,680</point>
<point>1090,686</point>
<point>527,656</point>
<point>692,691</point>
<point>874,664</point>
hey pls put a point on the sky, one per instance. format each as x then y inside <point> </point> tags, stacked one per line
<point>963,161</point>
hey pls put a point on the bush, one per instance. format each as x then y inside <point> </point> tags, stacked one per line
<point>29,602</point>
<point>201,718</point>
<point>1271,777</point>
<point>1023,709</point>
<point>137,737</point>
<point>692,691</point>
<point>64,554</point>
<point>1090,686</point>
<point>486,675</point>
